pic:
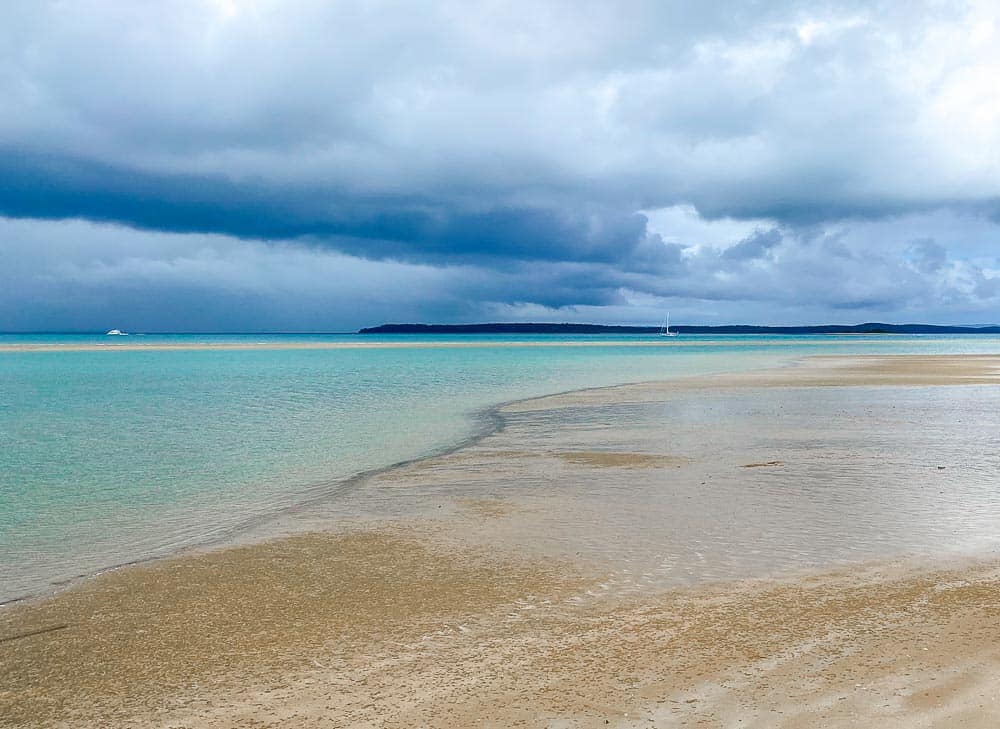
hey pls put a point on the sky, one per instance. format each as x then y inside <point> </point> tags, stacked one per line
<point>256,165</point>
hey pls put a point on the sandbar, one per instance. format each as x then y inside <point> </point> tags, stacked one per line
<point>118,346</point>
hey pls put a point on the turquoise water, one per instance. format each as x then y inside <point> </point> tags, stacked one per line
<point>111,456</point>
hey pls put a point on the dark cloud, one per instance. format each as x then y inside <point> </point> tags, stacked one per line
<point>78,275</point>
<point>42,186</point>
<point>755,245</point>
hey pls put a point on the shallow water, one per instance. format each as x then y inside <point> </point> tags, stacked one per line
<point>112,456</point>
<point>843,475</point>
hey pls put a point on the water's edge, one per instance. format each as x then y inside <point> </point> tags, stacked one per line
<point>486,422</point>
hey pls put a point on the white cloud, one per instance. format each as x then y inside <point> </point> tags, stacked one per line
<point>682,224</point>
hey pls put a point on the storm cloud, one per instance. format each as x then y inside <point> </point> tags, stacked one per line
<point>241,164</point>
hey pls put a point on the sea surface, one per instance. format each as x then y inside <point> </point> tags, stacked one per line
<point>119,449</point>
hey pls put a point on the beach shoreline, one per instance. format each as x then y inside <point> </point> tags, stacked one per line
<point>488,421</point>
<point>444,600</point>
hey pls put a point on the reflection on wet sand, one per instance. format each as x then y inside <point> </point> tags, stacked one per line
<point>752,551</point>
<point>704,479</point>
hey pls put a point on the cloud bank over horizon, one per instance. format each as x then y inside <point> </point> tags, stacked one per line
<point>251,165</point>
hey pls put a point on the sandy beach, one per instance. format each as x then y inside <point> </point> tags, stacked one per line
<point>579,569</point>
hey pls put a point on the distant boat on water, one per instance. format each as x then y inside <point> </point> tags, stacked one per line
<point>665,329</point>
<point>117,333</point>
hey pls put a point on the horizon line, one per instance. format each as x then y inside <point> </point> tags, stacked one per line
<point>103,332</point>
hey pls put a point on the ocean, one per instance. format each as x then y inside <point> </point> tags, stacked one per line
<point>121,449</point>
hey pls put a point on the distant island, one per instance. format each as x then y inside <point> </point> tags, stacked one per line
<point>550,328</point>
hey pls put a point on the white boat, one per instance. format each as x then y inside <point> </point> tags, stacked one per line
<point>665,329</point>
<point>117,333</point>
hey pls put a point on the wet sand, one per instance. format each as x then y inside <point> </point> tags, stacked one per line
<point>384,631</point>
<point>481,611</point>
<point>136,643</point>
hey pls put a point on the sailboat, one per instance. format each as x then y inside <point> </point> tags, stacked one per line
<point>665,329</point>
